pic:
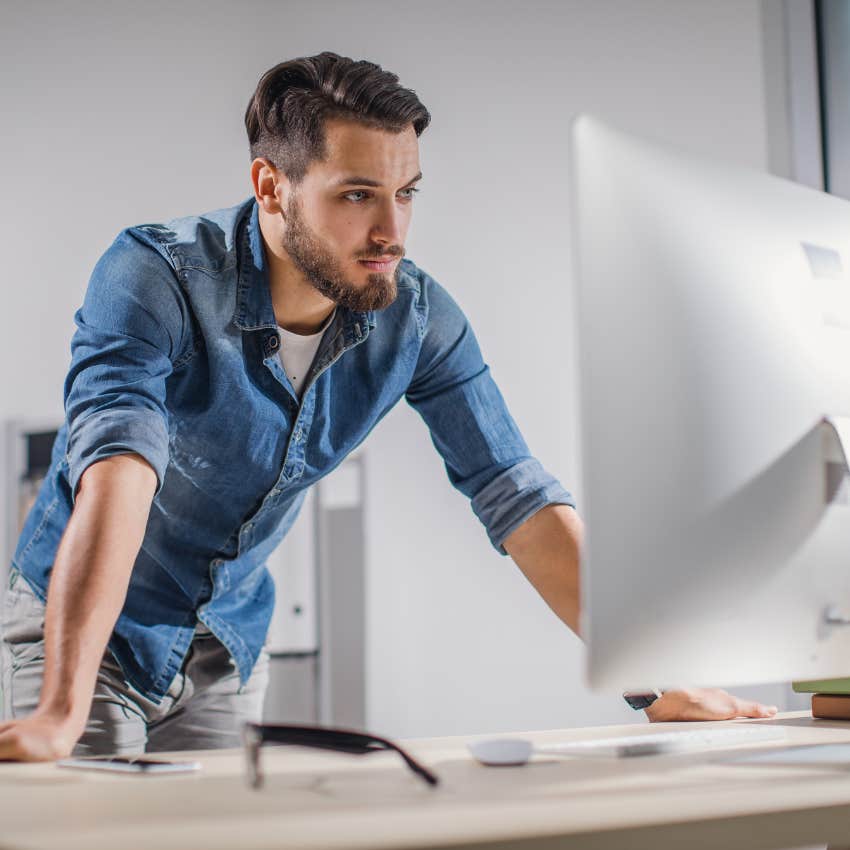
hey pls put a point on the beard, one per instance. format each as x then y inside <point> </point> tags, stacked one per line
<point>323,270</point>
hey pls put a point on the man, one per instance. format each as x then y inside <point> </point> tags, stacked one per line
<point>222,364</point>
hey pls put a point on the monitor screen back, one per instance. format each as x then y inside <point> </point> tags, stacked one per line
<point>714,337</point>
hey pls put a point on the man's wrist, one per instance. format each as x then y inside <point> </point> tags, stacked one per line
<point>70,712</point>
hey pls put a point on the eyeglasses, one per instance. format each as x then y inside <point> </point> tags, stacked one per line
<point>254,735</point>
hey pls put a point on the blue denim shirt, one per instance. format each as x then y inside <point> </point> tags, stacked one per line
<point>175,358</point>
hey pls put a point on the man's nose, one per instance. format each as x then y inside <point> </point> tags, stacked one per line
<point>388,228</point>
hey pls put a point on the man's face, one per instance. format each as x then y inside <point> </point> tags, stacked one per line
<point>347,220</point>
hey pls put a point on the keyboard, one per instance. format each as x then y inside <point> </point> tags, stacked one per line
<point>659,743</point>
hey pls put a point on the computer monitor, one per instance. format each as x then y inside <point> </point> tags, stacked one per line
<point>714,339</point>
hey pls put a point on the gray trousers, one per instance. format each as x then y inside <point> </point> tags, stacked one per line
<point>203,709</point>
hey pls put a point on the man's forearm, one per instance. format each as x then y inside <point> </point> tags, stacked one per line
<point>546,547</point>
<point>89,582</point>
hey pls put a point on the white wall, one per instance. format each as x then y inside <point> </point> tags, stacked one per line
<point>116,115</point>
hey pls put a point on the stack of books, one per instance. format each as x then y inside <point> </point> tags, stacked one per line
<point>830,697</point>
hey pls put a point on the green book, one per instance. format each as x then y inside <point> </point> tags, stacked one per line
<point>822,686</point>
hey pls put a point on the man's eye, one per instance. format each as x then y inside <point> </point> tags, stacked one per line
<point>407,194</point>
<point>357,197</point>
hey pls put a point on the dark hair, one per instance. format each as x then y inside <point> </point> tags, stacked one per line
<point>286,116</point>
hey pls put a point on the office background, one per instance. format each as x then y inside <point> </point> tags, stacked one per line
<point>116,113</point>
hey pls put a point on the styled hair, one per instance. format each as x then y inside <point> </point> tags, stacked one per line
<point>287,114</point>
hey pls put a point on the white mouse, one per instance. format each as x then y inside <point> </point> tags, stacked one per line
<point>501,751</point>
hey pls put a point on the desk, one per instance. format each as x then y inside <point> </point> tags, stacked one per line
<point>325,800</point>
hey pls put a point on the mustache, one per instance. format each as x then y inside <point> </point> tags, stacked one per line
<point>378,251</point>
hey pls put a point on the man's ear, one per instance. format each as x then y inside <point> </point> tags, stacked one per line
<point>271,186</point>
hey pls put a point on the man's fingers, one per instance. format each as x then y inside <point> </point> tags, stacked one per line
<point>746,708</point>
<point>34,739</point>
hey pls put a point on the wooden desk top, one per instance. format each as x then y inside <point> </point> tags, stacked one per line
<point>315,799</point>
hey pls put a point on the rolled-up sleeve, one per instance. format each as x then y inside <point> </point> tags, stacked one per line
<point>129,330</point>
<point>484,452</point>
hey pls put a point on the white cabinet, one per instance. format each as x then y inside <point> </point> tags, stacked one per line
<point>293,565</point>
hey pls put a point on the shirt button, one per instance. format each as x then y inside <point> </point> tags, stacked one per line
<point>275,492</point>
<point>273,342</point>
<point>297,435</point>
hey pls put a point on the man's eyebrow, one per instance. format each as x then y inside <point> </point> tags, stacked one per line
<point>367,181</point>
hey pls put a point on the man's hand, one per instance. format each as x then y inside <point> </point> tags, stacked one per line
<point>39,737</point>
<point>704,704</point>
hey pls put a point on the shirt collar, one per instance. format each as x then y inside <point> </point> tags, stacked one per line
<point>254,308</point>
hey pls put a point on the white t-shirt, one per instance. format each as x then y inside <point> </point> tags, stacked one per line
<point>297,352</point>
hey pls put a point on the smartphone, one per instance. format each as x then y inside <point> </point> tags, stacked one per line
<point>129,764</point>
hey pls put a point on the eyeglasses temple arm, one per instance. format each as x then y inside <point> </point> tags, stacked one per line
<point>355,743</point>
